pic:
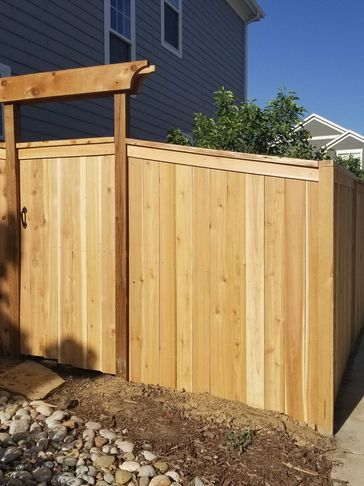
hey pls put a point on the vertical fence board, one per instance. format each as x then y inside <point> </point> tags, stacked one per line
<point>35,336</point>
<point>26,240</point>
<point>184,274</point>
<point>136,276</point>
<point>150,296</point>
<point>220,381</point>
<point>313,329</point>
<point>255,290</point>
<point>94,270</point>
<point>50,263</point>
<point>325,395</point>
<point>76,335</point>
<point>107,262</point>
<point>167,235</point>
<point>201,339</point>
<point>295,222</point>
<point>274,313</point>
<point>236,277</point>
<point>66,287</point>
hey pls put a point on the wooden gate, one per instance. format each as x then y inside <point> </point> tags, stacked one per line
<point>67,297</point>
<point>67,280</point>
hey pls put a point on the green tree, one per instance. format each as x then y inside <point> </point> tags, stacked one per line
<point>353,164</point>
<point>275,129</point>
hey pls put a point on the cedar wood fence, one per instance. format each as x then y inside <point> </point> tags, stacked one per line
<point>234,274</point>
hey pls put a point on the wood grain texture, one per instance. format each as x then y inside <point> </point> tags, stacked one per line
<point>209,160</point>
<point>167,272</point>
<point>295,223</point>
<point>201,339</point>
<point>151,294</point>
<point>236,347</point>
<point>255,290</point>
<point>136,276</point>
<point>71,83</point>
<point>326,275</point>
<point>68,261</point>
<point>312,347</point>
<point>121,238</point>
<point>274,282</point>
<point>10,329</point>
<point>184,275</point>
<point>219,331</point>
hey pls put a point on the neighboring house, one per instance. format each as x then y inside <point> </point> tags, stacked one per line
<point>197,47</point>
<point>337,140</point>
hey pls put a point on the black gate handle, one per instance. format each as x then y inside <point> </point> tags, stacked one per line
<point>23,217</point>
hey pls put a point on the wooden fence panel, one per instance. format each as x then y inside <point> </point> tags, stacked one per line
<point>246,273</point>
<point>68,269</point>
<point>238,255</point>
<point>349,268</point>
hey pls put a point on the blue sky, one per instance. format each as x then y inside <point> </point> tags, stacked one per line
<point>316,48</point>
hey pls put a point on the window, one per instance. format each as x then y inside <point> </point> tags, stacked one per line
<point>4,71</point>
<point>119,30</point>
<point>171,20</point>
<point>345,154</point>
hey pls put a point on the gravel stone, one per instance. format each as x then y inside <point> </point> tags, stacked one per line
<point>41,445</point>
<point>123,477</point>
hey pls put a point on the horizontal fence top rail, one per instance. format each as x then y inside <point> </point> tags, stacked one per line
<point>224,160</point>
<point>66,148</point>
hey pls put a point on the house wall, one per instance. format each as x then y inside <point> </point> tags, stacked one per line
<point>213,44</point>
<point>42,35</point>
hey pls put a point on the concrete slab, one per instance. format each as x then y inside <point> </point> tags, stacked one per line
<point>30,379</point>
<point>350,422</point>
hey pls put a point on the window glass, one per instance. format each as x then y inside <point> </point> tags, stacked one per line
<point>120,50</point>
<point>120,17</point>
<point>175,3</point>
<point>171,26</point>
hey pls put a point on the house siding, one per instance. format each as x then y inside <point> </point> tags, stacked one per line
<point>42,35</point>
<point>213,45</point>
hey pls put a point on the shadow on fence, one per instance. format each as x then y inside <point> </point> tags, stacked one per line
<point>9,253</point>
<point>352,387</point>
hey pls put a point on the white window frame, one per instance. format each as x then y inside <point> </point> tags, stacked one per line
<point>108,30</point>
<point>348,152</point>
<point>4,72</point>
<point>177,52</point>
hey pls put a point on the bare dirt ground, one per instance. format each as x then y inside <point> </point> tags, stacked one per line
<point>199,435</point>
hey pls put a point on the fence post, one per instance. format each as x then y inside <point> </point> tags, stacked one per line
<point>325,368</point>
<point>11,329</point>
<point>121,238</point>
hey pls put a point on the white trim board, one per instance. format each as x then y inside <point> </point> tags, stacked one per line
<point>324,121</point>
<point>343,137</point>
<point>248,10</point>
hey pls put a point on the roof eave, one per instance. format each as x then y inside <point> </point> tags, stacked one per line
<point>248,10</point>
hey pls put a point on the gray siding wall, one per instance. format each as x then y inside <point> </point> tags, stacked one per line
<point>213,43</point>
<point>42,35</point>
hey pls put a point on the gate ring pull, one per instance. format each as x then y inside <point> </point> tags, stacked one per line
<point>23,217</point>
